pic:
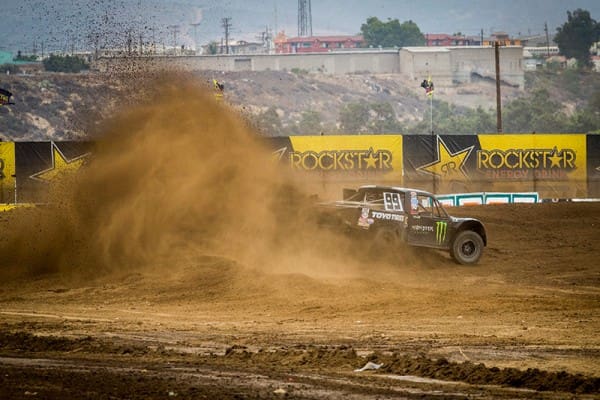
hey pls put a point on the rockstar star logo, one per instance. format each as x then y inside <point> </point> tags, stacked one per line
<point>447,163</point>
<point>371,160</point>
<point>279,153</point>
<point>60,166</point>
<point>555,158</point>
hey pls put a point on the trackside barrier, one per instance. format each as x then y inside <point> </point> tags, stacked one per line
<point>584,200</point>
<point>471,199</point>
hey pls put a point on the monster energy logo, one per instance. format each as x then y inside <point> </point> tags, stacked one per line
<point>440,231</point>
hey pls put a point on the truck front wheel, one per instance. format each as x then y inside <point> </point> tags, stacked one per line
<point>467,248</point>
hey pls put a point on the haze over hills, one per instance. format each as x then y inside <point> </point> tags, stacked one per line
<point>64,25</point>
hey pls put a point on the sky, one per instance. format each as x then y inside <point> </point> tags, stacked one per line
<point>62,25</point>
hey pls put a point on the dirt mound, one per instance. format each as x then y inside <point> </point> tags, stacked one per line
<point>343,357</point>
<point>479,374</point>
<point>22,341</point>
<point>311,357</point>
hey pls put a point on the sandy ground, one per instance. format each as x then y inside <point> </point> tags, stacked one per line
<point>217,329</point>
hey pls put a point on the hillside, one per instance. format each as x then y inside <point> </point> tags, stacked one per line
<point>60,107</point>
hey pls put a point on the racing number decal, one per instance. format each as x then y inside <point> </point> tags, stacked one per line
<point>392,201</point>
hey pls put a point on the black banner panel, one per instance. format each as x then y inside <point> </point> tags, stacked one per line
<point>593,165</point>
<point>441,164</point>
<point>39,164</point>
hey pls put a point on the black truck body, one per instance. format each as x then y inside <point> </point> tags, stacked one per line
<point>394,215</point>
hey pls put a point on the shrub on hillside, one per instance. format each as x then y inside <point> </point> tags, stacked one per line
<point>9,69</point>
<point>67,63</point>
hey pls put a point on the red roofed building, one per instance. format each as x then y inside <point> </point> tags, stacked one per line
<point>316,44</point>
<point>443,39</point>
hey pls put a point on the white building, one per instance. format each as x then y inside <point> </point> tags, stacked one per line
<point>461,64</point>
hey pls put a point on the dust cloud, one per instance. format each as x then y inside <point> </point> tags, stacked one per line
<point>174,179</point>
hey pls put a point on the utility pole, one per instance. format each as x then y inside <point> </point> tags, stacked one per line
<point>226,24</point>
<point>153,46</point>
<point>129,42</point>
<point>481,43</point>
<point>175,30</point>
<point>195,26</point>
<point>547,40</point>
<point>94,38</point>
<point>141,28</point>
<point>266,38</point>
<point>498,96</point>
<point>275,24</point>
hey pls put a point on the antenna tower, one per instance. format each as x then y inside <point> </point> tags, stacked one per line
<point>304,18</point>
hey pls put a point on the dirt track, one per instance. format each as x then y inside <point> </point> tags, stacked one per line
<point>221,330</point>
<point>156,287</point>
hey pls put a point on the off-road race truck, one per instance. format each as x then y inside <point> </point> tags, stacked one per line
<point>392,216</point>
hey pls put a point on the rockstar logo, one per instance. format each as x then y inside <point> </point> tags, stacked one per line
<point>447,164</point>
<point>371,160</point>
<point>555,158</point>
<point>279,153</point>
<point>60,166</point>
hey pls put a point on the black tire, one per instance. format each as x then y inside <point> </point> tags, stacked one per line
<point>467,248</point>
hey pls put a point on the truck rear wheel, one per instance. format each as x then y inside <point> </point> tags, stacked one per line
<point>467,248</point>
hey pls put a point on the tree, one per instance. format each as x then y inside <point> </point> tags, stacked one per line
<point>537,113</point>
<point>389,34</point>
<point>587,119</point>
<point>64,64</point>
<point>369,118</point>
<point>9,69</point>
<point>354,117</point>
<point>269,122</point>
<point>383,119</point>
<point>447,118</point>
<point>575,37</point>
<point>310,123</point>
<point>411,35</point>
<point>21,57</point>
<point>212,47</point>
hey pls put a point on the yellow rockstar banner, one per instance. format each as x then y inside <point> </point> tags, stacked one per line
<point>347,153</point>
<point>7,171</point>
<point>529,157</point>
